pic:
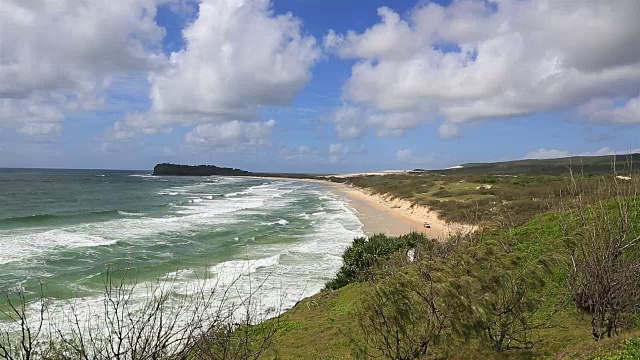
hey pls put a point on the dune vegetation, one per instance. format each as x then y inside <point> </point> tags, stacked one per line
<point>564,283</point>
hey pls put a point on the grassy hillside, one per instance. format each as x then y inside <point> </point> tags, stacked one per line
<point>593,165</point>
<point>326,326</point>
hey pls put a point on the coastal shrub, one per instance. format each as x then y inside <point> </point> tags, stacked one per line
<point>364,253</point>
<point>406,315</point>
<point>473,290</point>
<point>507,311</point>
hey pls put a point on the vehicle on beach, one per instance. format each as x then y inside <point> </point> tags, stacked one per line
<point>427,225</point>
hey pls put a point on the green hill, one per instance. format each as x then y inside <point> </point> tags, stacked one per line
<point>592,165</point>
<point>328,325</point>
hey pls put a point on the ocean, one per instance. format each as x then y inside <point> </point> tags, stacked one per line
<point>61,231</point>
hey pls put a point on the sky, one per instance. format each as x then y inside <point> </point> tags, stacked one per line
<point>315,85</point>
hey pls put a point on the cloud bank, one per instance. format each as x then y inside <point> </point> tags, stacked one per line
<point>57,57</point>
<point>476,60</point>
<point>239,56</point>
<point>62,56</point>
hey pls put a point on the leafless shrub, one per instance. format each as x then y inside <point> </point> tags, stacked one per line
<point>200,322</point>
<point>604,243</point>
<point>25,346</point>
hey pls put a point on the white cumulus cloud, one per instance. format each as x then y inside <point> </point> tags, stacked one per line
<point>338,151</point>
<point>239,55</point>
<point>408,156</point>
<point>606,111</point>
<point>351,121</point>
<point>404,155</point>
<point>58,57</point>
<point>232,135</point>
<point>476,60</point>
<point>547,154</point>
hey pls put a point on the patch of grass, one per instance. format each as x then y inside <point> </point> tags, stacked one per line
<point>630,350</point>
<point>317,327</point>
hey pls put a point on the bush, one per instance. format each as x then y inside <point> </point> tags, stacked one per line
<point>360,258</point>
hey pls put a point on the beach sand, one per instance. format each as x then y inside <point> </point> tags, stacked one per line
<point>378,217</point>
<point>392,217</point>
<point>380,214</point>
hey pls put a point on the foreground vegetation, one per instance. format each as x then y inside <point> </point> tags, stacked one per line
<point>174,322</point>
<point>565,284</point>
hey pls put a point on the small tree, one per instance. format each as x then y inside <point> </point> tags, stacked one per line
<point>400,319</point>
<point>510,302</point>
<point>604,248</point>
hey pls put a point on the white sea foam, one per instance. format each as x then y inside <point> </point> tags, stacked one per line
<point>171,193</point>
<point>18,247</point>
<point>127,213</point>
<point>284,273</point>
<point>233,194</point>
<point>198,213</point>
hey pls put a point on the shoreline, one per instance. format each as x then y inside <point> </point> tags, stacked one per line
<point>380,214</point>
<point>383,214</point>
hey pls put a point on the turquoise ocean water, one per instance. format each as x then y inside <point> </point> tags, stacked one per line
<point>61,230</point>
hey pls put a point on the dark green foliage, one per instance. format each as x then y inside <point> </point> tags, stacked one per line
<point>478,290</point>
<point>199,170</point>
<point>400,320</point>
<point>212,170</point>
<point>360,258</point>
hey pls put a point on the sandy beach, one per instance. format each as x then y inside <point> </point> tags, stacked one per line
<point>394,217</point>
<point>381,214</point>
<point>378,215</point>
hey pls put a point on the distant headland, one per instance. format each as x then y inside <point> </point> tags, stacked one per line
<point>197,170</point>
<point>209,170</point>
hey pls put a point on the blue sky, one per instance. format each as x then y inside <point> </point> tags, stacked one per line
<point>316,85</point>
